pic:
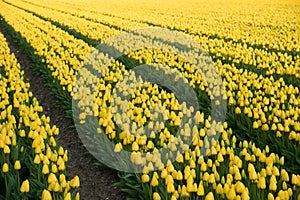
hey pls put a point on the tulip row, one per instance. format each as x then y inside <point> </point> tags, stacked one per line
<point>228,47</point>
<point>32,164</point>
<point>191,174</point>
<point>233,22</point>
<point>94,19</point>
<point>242,55</point>
<point>91,30</point>
<point>50,44</point>
<point>262,106</point>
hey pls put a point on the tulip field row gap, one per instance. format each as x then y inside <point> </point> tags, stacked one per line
<point>258,153</point>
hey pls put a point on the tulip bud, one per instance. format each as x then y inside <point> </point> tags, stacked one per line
<point>77,197</point>
<point>25,186</point>
<point>5,168</point>
<point>68,196</point>
<point>145,178</point>
<point>200,190</point>
<point>75,182</point>
<point>156,196</point>
<point>209,196</point>
<point>17,165</point>
<point>46,195</point>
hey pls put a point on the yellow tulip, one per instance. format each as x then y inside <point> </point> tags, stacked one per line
<point>170,167</point>
<point>255,125</point>
<point>135,146</point>
<point>177,121</point>
<point>283,195</point>
<point>52,178</point>
<point>164,173</point>
<point>184,192</point>
<point>68,196</point>
<point>275,171</point>
<point>220,157</point>
<point>203,167</point>
<point>61,151</point>
<point>46,195</point>
<point>200,190</point>
<point>265,127</point>
<point>273,183</point>
<point>261,183</point>
<point>45,169</point>
<point>37,159</point>
<point>245,195</point>
<point>173,197</point>
<point>145,178</point>
<point>179,176</point>
<point>211,178</point>
<point>154,181</point>
<point>5,168</point>
<point>284,185</point>
<point>118,147</point>
<point>54,168</point>
<point>205,176</point>
<point>231,194</point>
<point>77,196</point>
<point>239,187</point>
<point>17,165</point>
<point>170,188</point>
<point>179,158</point>
<point>219,189</point>
<point>295,180</point>
<point>24,186</point>
<point>270,196</point>
<point>237,110</point>
<point>56,187</point>
<point>75,183</point>
<point>22,133</point>
<point>6,149</point>
<point>156,196</point>
<point>252,172</point>
<point>209,196</point>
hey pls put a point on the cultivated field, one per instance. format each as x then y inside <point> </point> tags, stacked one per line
<point>224,127</point>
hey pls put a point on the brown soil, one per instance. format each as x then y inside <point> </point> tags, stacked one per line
<point>96,183</point>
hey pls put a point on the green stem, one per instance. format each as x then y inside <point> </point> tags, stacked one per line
<point>39,171</point>
<point>18,178</point>
<point>6,185</point>
<point>55,196</point>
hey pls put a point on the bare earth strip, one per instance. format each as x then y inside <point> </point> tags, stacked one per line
<point>95,183</point>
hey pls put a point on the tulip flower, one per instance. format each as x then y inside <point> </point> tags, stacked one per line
<point>24,186</point>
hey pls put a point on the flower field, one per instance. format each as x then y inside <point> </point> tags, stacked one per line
<point>254,153</point>
<point>33,165</point>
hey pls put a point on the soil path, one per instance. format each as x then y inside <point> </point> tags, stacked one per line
<point>96,184</point>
